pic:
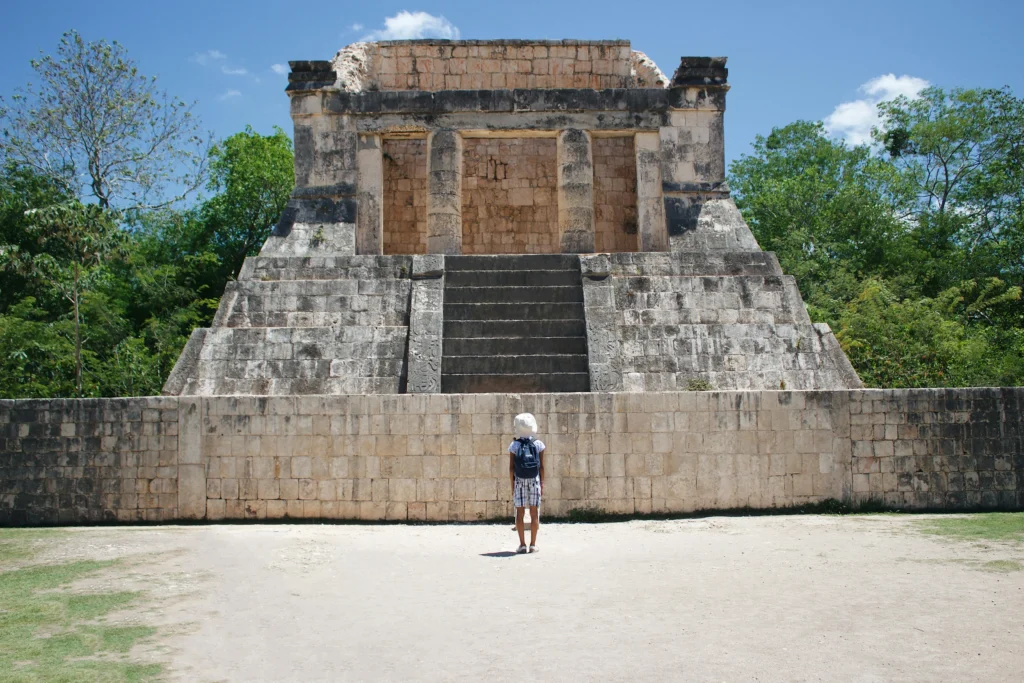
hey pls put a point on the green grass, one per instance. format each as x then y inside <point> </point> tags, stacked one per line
<point>48,633</point>
<point>17,544</point>
<point>988,526</point>
<point>1002,566</point>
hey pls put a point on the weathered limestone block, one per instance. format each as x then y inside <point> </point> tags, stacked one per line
<point>370,215</point>
<point>649,202</point>
<point>185,372</point>
<point>426,322</point>
<point>575,191</point>
<point>444,192</point>
<point>320,216</point>
<point>707,220</point>
<point>602,337</point>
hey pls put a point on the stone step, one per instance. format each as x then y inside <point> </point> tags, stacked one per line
<point>365,268</point>
<point>524,329</point>
<point>371,317</point>
<point>508,365</point>
<point>512,278</point>
<point>561,382</point>
<point>480,295</point>
<point>661,264</point>
<point>513,311</point>
<point>482,346</point>
<point>255,336</point>
<point>696,300</point>
<point>513,262</point>
<point>291,290</point>
<point>290,386</point>
<point>301,369</point>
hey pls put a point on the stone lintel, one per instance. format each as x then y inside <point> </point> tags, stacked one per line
<point>636,100</point>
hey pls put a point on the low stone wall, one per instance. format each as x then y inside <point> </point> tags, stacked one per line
<point>442,457</point>
<point>93,460</point>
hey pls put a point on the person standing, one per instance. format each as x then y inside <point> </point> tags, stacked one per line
<point>526,473</point>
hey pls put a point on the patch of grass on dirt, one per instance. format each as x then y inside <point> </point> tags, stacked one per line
<point>48,633</point>
<point>1003,566</point>
<point>17,544</point>
<point>988,526</point>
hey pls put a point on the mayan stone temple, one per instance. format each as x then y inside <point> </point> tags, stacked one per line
<point>509,216</point>
<point>483,228</point>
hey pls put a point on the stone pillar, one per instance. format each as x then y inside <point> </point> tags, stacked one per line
<point>575,191</point>
<point>426,324</point>
<point>650,206</point>
<point>370,196</point>
<point>444,192</point>
<point>320,218</point>
<point>693,149</point>
<point>603,353</point>
<point>191,465</point>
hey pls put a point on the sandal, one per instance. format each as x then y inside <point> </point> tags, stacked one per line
<point>521,550</point>
<point>533,549</point>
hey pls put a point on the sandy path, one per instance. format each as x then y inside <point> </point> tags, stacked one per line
<point>766,599</point>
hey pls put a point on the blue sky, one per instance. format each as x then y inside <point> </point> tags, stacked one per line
<point>788,60</point>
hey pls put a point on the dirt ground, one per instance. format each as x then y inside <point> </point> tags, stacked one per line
<point>859,598</point>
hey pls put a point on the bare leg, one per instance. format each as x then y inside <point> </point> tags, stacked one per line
<point>534,524</point>
<point>520,527</point>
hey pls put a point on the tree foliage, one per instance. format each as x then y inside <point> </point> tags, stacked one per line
<point>252,176</point>
<point>911,248</point>
<point>98,129</point>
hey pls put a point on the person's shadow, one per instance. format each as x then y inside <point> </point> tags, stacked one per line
<point>500,553</point>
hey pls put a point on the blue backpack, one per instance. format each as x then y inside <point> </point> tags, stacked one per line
<point>527,461</point>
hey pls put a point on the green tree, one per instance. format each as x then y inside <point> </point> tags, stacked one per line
<point>36,355</point>
<point>911,248</point>
<point>253,176</point>
<point>75,240</point>
<point>21,190</point>
<point>827,211</point>
<point>94,116</point>
<point>961,155</point>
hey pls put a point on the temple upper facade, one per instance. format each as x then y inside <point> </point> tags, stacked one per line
<point>509,216</point>
<point>503,147</point>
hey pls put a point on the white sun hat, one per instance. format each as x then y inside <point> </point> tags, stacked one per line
<point>525,425</point>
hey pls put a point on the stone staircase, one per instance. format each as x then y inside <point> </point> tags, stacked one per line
<point>514,324</point>
<point>294,325</point>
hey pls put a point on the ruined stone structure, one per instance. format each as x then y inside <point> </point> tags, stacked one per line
<point>490,228</point>
<point>474,216</point>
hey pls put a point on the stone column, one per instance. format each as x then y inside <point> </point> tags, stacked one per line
<point>650,206</point>
<point>575,191</point>
<point>191,464</point>
<point>370,196</point>
<point>320,218</point>
<point>444,192</point>
<point>603,351</point>
<point>426,324</point>
<point>693,151</point>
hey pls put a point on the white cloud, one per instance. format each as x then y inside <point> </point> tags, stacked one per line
<point>240,71</point>
<point>208,57</point>
<point>280,69</point>
<point>230,94</point>
<point>853,121</point>
<point>412,25</point>
<point>356,27</point>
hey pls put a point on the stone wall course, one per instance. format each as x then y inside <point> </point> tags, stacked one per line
<point>441,457</point>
